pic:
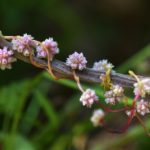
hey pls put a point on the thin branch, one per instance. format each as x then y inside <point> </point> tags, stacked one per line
<point>63,71</point>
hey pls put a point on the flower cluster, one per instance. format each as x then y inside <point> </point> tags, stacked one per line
<point>48,44</point>
<point>88,98</point>
<point>114,95</point>
<point>23,44</point>
<point>6,58</point>
<point>142,107</point>
<point>76,61</point>
<point>102,65</point>
<point>142,87</point>
<point>97,117</point>
<point>27,45</point>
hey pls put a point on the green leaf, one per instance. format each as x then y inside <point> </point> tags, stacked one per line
<point>61,143</point>
<point>11,96</point>
<point>19,142</point>
<point>30,116</point>
<point>134,61</point>
<point>48,108</point>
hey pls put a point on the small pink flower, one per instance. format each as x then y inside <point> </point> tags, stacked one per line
<point>48,44</point>
<point>23,44</point>
<point>77,61</point>
<point>142,107</point>
<point>114,95</point>
<point>41,52</point>
<point>51,45</point>
<point>102,65</point>
<point>142,88</point>
<point>88,98</point>
<point>6,58</point>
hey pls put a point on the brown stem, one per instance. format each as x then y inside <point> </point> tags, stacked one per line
<point>33,62</point>
<point>77,79</point>
<point>49,57</point>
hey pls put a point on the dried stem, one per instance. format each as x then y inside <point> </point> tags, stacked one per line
<point>77,79</point>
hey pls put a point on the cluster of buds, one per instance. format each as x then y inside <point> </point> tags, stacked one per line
<point>114,95</point>
<point>102,65</point>
<point>142,107</point>
<point>6,58</point>
<point>142,87</point>
<point>88,98</point>
<point>76,61</point>
<point>27,45</point>
<point>23,44</point>
<point>48,44</point>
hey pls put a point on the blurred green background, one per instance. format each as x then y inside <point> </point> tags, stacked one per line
<point>37,113</point>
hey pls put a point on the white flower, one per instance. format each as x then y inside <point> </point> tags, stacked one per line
<point>114,95</point>
<point>142,88</point>
<point>102,65</point>
<point>76,61</point>
<point>128,112</point>
<point>142,107</point>
<point>97,116</point>
<point>88,98</point>
<point>118,91</point>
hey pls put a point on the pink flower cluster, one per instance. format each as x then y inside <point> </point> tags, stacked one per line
<point>26,45</point>
<point>142,87</point>
<point>48,44</point>
<point>23,44</point>
<point>6,58</point>
<point>77,61</point>
<point>88,98</point>
<point>102,65</point>
<point>114,95</point>
<point>142,107</point>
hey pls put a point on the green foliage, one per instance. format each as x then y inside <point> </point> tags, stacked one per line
<point>134,61</point>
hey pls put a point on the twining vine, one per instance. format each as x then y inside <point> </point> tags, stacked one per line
<point>41,55</point>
